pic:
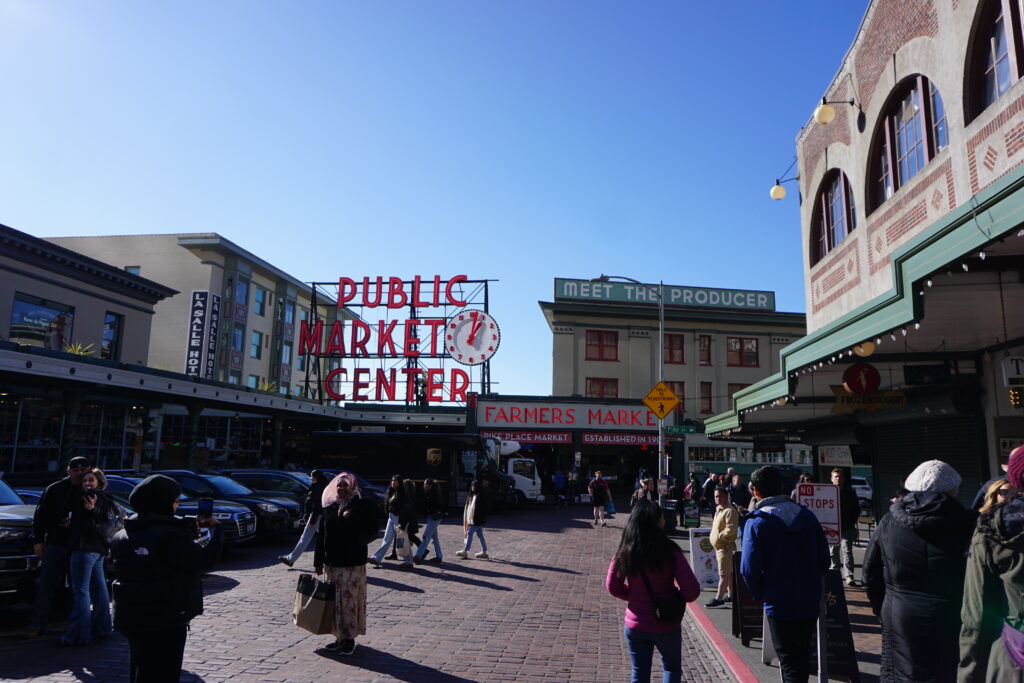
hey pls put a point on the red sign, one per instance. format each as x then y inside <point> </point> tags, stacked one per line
<point>861,378</point>
<point>823,501</point>
<point>618,439</point>
<point>531,437</point>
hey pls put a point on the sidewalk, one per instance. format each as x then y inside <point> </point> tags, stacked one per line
<point>867,633</point>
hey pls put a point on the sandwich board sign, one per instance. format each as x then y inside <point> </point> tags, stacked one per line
<point>823,501</point>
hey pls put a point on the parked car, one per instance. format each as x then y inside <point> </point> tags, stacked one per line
<point>274,514</point>
<point>862,488</point>
<point>18,562</point>
<point>374,492</point>
<point>294,485</point>
<point>237,521</point>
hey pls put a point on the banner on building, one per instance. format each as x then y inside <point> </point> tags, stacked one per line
<point>196,332</point>
<point>531,437</point>
<point>211,339</point>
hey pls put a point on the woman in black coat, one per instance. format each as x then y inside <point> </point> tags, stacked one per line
<point>158,589</point>
<point>347,524</point>
<point>914,572</point>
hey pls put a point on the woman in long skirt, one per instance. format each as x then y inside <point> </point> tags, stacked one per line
<point>347,524</point>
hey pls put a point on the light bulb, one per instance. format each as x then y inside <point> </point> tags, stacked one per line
<point>904,331</point>
<point>964,266</point>
<point>928,283</point>
<point>917,326</point>
<point>981,255</point>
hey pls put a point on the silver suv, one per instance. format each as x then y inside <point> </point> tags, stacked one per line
<point>862,488</point>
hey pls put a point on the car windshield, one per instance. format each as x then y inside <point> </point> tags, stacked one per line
<point>226,486</point>
<point>8,496</point>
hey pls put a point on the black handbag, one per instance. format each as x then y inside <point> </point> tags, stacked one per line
<point>668,610</point>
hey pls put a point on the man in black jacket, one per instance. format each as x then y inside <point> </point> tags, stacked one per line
<point>50,537</point>
<point>158,589</point>
<point>849,513</point>
<point>312,509</point>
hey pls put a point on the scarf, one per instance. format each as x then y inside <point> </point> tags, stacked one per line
<point>331,496</point>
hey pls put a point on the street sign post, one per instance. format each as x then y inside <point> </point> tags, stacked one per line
<point>823,501</point>
<point>661,400</point>
<point>681,429</point>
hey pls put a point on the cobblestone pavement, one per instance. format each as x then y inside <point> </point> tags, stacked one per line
<point>537,611</point>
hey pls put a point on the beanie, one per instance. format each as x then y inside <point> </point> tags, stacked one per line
<point>1015,468</point>
<point>933,475</point>
<point>155,495</point>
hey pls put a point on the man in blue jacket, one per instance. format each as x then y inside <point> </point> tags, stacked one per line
<point>784,560</point>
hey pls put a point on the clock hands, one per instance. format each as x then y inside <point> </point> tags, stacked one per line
<point>477,324</point>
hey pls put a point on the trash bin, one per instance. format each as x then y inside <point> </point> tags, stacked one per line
<point>668,509</point>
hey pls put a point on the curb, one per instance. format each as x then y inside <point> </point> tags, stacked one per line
<point>733,663</point>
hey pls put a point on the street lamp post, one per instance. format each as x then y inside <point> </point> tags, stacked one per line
<point>660,293</point>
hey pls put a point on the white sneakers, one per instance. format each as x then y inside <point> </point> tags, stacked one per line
<point>462,553</point>
<point>482,556</point>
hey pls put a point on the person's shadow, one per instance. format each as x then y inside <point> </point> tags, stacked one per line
<point>393,585</point>
<point>378,661</point>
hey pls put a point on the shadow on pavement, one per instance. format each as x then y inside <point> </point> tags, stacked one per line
<point>458,578</point>
<point>453,567</point>
<point>215,583</point>
<point>527,565</point>
<point>375,580</point>
<point>372,659</point>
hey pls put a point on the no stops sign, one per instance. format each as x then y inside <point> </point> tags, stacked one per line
<point>823,501</point>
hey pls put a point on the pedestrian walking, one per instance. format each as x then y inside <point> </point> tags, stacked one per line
<point>434,511</point>
<point>914,573</point>
<point>396,508</point>
<point>645,492</point>
<point>739,494</point>
<point>992,633</point>
<point>849,514</point>
<point>312,507</point>
<point>724,528</point>
<point>347,524</point>
<point>474,519</point>
<point>784,561</point>
<point>599,494</point>
<point>408,516</point>
<point>158,589</point>
<point>804,479</point>
<point>708,491</point>
<point>677,492</point>
<point>649,567</point>
<point>90,607</point>
<point>50,538</point>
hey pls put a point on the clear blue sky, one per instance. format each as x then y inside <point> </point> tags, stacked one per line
<point>517,140</point>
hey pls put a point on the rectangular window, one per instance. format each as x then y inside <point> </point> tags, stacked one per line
<point>733,388</point>
<point>284,388</point>
<point>940,136</point>
<point>303,315</point>
<point>602,345</point>
<point>910,145</point>
<point>234,377</point>
<point>242,291</point>
<point>602,387</point>
<point>110,348</point>
<point>286,353</point>
<point>39,322</point>
<point>705,349</point>
<point>254,381</point>
<point>674,348</point>
<point>289,312</point>
<point>679,389</point>
<point>259,303</point>
<point>742,352</point>
<point>256,345</point>
<point>134,270</point>
<point>238,338</point>
<point>706,404</point>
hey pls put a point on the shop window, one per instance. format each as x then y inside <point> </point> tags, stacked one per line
<point>110,347</point>
<point>41,322</point>
<point>742,352</point>
<point>259,301</point>
<point>733,388</point>
<point>602,345</point>
<point>256,345</point>
<point>706,404</point>
<point>704,344</point>
<point>995,55</point>
<point>835,215</point>
<point>602,387</point>
<point>674,349</point>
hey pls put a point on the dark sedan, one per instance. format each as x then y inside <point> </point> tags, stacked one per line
<point>18,562</point>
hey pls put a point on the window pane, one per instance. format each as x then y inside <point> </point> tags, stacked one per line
<point>256,345</point>
<point>39,322</point>
<point>110,347</point>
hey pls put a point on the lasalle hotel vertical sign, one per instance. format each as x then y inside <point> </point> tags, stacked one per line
<point>203,324</point>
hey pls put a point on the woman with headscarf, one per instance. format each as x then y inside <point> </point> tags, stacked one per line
<point>396,508</point>
<point>914,573</point>
<point>347,524</point>
<point>992,636</point>
<point>158,589</point>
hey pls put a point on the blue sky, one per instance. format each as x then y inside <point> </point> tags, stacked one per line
<point>519,141</point>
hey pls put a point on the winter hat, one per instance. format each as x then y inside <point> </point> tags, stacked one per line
<point>155,495</point>
<point>1015,468</point>
<point>933,475</point>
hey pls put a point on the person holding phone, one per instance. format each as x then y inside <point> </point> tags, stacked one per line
<point>158,589</point>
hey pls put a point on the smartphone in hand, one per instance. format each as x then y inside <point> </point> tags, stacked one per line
<point>205,509</point>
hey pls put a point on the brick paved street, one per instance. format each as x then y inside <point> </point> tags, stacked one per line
<point>538,611</point>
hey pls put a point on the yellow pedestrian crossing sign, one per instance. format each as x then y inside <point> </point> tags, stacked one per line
<point>661,400</point>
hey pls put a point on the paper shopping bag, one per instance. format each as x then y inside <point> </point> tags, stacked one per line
<point>314,605</point>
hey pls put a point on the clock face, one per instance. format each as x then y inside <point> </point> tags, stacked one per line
<point>471,337</point>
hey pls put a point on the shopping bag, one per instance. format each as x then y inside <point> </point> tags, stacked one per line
<point>314,605</point>
<point>610,508</point>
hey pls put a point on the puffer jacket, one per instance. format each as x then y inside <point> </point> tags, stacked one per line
<point>993,590</point>
<point>84,532</point>
<point>158,566</point>
<point>914,573</point>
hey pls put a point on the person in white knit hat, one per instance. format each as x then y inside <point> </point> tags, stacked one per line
<point>914,571</point>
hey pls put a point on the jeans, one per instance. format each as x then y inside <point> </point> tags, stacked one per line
<point>51,574</point>
<point>479,531</point>
<point>842,554</point>
<point>307,535</point>
<point>430,534</point>
<point>793,640</point>
<point>156,655</point>
<point>641,646</point>
<point>90,607</point>
<point>390,532</point>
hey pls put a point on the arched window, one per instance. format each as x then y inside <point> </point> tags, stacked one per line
<point>835,215</point>
<point>995,55</point>
<point>911,131</point>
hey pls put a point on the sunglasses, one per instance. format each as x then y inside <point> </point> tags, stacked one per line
<point>1005,491</point>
